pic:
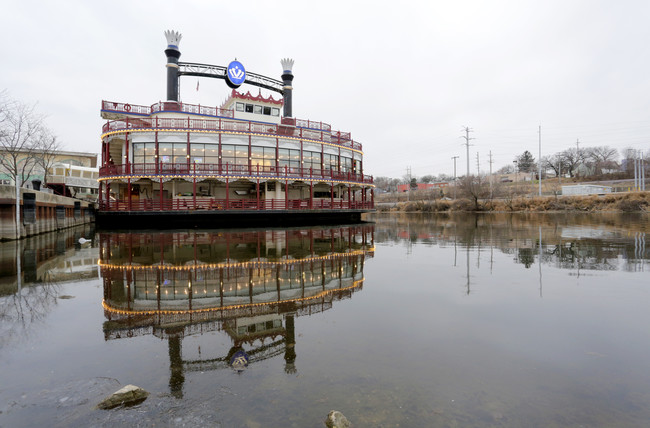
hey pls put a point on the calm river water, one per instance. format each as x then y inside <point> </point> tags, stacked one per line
<point>472,321</point>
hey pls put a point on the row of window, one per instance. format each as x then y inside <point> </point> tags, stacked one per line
<point>256,109</point>
<point>239,155</point>
<point>263,279</point>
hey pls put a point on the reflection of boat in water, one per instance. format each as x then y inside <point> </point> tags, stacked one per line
<point>249,284</point>
<point>47,259</point>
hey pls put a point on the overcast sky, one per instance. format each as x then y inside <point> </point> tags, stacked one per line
<point>403,77</point>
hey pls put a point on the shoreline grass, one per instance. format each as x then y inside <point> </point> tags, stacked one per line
<point>614,202</point>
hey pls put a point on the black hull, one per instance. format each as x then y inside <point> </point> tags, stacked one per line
<point>224,219</point>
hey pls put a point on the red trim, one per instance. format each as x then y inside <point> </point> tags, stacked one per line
<point>248,96</point>
<point>213,204</point>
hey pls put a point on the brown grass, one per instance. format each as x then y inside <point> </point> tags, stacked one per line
<point>618,202</point>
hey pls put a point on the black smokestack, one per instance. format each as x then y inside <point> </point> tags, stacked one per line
<point>173,53</point>
<point>287,89</point>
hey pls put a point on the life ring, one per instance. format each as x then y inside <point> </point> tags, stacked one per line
<point>127,107</point>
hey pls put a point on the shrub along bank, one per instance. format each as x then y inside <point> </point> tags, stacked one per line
<point>618,202</point>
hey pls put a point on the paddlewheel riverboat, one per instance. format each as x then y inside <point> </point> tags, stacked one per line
<point>248,160</point>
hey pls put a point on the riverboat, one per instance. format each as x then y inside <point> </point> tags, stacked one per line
<point>245,162</point>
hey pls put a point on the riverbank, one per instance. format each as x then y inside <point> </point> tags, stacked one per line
<point>615,202</point>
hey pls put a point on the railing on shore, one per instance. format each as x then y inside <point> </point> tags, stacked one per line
<point>223,121</point>
<point>213,204</point>
<point>203,169</point>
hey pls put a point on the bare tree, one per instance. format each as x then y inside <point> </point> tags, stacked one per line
<point>506,169</point>
<point>382,183</point>
<point>46,151</point>
<point>571,160</point>
<point>600,158</point>
<point>553,162</point>
<point>628,154</point>
<point>474,188</point>
<point>20,129</point>
<point>21,133</point>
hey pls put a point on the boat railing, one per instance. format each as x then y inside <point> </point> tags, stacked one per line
<point>223,120</point>
<point>217,204</point>
<point>190,170</point>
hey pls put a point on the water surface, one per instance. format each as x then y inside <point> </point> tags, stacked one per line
<point>489,320</point>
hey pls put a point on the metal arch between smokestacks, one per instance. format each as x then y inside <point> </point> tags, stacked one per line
<point>219,72</point>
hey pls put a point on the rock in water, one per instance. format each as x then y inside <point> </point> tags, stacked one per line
<point>129,395</point>
<point>335,419</point>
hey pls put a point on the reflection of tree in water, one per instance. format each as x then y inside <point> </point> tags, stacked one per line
<point>605,241</point>
<point>526,256</point>
<point>30,275</point>
<point>25,310</point>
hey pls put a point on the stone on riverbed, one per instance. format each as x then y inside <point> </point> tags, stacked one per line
<point>335,419</point>
<point>129,395</point>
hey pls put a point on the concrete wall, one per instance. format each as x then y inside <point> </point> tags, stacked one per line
<point>40,212</point>
<point>585,189</point>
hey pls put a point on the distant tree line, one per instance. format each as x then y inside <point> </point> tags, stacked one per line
<point>597,163</point>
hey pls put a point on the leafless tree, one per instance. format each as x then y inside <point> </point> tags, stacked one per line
<point>22,136</point>
<point>553,162</point>
<point>46,151</point>
<point>506,169</point>
<point>601,158</point>
<point>20,130</point>
<point>571,160</point>
<point>628,155</point>
<point>474,188</point>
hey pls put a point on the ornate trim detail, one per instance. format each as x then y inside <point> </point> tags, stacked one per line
<point>260,97</point>
<point>287,65</point>
<point>173,38</point>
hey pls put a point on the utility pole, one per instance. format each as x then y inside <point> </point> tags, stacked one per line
<point>639,171</point>
<point>408,188</point>
<point>539,161</point>
<point>642,165</point>
<point>577,154</point>
<point>636,173</point>
<point>478,166</point>
<point>454,158</point>
<point>490,161</point>
<point>467,138</point>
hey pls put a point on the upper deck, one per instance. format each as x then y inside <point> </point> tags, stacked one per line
<point>124,116</point>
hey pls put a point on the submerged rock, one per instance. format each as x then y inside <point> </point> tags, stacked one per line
<point>129,395</point>
<point>335,419</point>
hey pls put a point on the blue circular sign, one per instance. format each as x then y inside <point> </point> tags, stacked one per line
<point>235,74</point>
<point>239,360</point>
